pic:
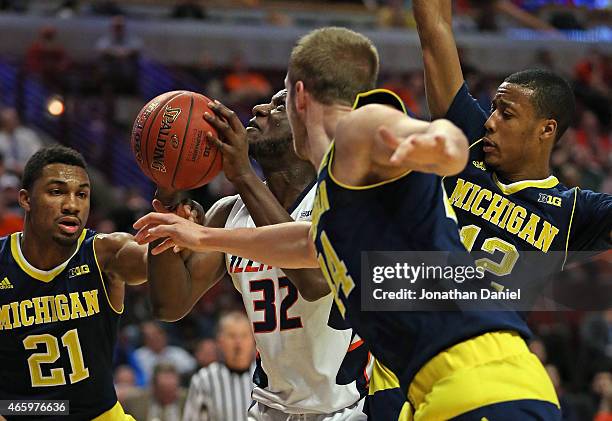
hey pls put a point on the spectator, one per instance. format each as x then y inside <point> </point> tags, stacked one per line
<point>17,142</point>
<point>47,59</point>
<point>156,350</point>
<point>163,401</point>
<point>567,409</point>
<point>205,352</point>
<point>539,349</point>
<point>188,9</point>
<point>222,391</point>
<point>596,335</point>
<point>68,9</point>
<point>119,53</point>
<point>125,383</point>
<point>602,386</point>
<point>10,222</point>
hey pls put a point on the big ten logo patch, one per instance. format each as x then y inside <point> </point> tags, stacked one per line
<point>78,271</point>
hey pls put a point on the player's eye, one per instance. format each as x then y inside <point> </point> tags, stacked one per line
<point>82,195</point>
<point>506,115</point>
<point>55,192</point>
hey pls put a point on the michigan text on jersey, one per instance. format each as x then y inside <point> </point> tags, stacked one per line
<point>504,213</point>
<point>48,309</point>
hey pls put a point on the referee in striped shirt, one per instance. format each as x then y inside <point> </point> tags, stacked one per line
<point>222,390</point>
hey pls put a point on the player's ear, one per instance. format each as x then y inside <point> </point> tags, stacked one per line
<point>24,199</point>
<point>549,130</point>
<point>300,96</point>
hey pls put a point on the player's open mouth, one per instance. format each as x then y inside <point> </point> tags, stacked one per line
<point>253,125</point>
<point>69,225</point>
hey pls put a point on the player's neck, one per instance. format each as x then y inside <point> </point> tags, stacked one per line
<point>43,253</point>
<point>531,172</point>
<point>286,184</point>
<point>320,140</point>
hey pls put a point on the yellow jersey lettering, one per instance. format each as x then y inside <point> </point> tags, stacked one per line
<point>547,235</point>
<point>5,318</point>
<point>25,319</point>
<point>496,209</point>
<point>41,309</point>
<point>529,230</point>
<point>16,315</point>
<point>516,220</point>
<point>77,309</point>
<point>91,301</point>
<point>61,305</point>
<point>476,209</point>
<point>461,190</point>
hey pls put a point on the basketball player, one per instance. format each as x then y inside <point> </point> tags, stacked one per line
<point>395,199</point>
<point>507,201</point>
<point>308,361</point>
<point>62,293</point>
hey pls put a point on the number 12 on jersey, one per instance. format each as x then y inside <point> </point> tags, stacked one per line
<point>268,305</point>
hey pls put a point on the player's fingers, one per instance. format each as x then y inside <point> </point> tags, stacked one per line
<point>388,138</point>
<point>221,126</point>
<point>401,153</point>
<point>155,218</point>
<point>223,146</point>
<point>163,246</point>
<point>177,249</point>
<point>229,115</point>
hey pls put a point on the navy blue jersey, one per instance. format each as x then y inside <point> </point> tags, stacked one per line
<point>525,230</point>
<point>57,330</point>
<point>405,214</point>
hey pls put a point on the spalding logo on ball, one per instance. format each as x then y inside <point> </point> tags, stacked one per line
<point>169,141</point>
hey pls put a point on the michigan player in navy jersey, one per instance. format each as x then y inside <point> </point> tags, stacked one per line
<point>372,196</point>
<point>59,316</point>
<point>309,360</point>
<point>514,214</point>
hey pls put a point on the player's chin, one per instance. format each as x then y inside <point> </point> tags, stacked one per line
<point>67,239</point>
<point>492,159</point>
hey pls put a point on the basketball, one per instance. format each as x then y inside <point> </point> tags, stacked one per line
<point>169,141</point>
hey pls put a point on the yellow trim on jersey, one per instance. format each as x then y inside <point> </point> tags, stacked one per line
<point>116,413</point>
<point>448,208</point>
<point>40,275</point>
<point>366,187</point>
<point>547,183</point>
<point>379,91</point>
<point>569,228</point>
<point>498,365</point>
<point>383,379</point>
<point>102,278</point>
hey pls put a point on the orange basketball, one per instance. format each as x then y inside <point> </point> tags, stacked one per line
<point>169,141</point>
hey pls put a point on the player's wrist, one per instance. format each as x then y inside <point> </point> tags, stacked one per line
<point>244,179</point>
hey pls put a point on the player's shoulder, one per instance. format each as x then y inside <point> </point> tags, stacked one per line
<point>5,244</point>
<point>220,211</point>
<point>105,245</point>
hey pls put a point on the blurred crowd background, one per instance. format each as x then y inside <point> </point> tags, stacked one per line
<point>86,93</point>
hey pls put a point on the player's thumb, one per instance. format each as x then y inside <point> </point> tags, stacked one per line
<point>159,206</point>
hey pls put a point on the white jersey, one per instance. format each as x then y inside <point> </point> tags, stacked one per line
<point>303,364</point>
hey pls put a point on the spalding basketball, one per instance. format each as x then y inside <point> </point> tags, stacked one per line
<point>169,141</point>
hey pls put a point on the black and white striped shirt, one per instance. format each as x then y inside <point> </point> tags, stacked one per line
<point>217,393</point>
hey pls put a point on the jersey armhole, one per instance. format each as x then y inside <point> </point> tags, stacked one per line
<point>569,228</point>
<point>102,279</point>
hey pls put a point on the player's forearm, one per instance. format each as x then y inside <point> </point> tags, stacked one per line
<point>263,207</point>
<point>443,75</point>
<point>285,245</point>
<point>169,284</point>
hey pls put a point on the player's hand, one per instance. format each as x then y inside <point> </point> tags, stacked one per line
<point>442,149</point>
<point>176,232</point>
<point>232,141</point>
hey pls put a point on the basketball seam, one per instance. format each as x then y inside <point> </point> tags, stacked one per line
<point>178,159</point>
<point>146,149</point>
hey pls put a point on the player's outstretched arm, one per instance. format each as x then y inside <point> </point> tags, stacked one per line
<point>395,143</point>
<point>263,206</point>
<point>178,280</point>
<point>285,245</point>
<point>121,258</point>
<point>443,75</point>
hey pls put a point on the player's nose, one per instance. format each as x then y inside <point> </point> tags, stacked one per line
<point>261,110</point>
<point>490,124</point>
<point>70,204</point>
